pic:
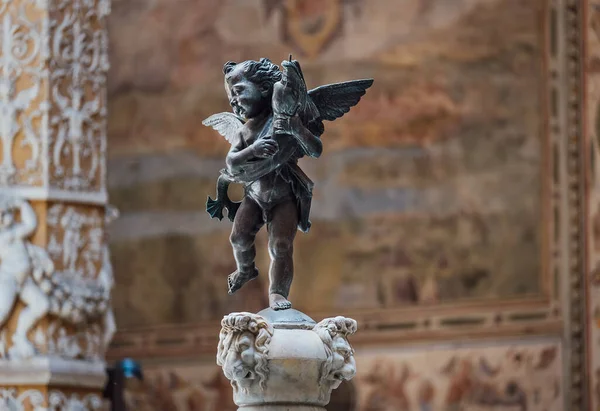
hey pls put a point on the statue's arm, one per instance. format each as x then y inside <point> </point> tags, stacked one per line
<point>238,156</point>
<point>28,221</point>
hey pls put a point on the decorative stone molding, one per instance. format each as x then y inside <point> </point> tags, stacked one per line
<point>43,371</point>
<point>25,48</point>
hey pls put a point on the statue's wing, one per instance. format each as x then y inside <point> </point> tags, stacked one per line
<point>227,124</point>
<point>296,77</point>
<point>335,100</point>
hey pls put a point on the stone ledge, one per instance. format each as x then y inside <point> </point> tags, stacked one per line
<point>94,197</point>
<point>53,371</point>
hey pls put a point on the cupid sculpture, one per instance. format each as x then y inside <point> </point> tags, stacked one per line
<point>275,122</point>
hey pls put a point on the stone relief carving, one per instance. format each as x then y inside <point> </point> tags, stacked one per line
<point>91,343</point>
<point>21,263</point>
<point>243,350</point>
<point>33,400</point>
<point>12,104</point>
<point>340,364</point>
<point>79,66</point>
<point>27,273</point>
<point>24,47</point>
<point>28,400</point>
<point>75,115</point>
<point>76,240</point>
<point>60,401</point>
<point>76,39</point>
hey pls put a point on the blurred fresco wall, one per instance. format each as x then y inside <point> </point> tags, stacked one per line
<point>433,195</point>
<point>428,191</point>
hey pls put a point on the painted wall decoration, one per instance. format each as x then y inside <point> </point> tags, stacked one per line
<point>310,26</point>
<point>505,377</point>
<point>23,50</point>
<point>431,192</point>
<point>461,218</point>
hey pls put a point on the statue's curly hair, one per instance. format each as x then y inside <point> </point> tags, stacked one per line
<point>262,72</point>
<point>236,323</point>
<point>327,330</point>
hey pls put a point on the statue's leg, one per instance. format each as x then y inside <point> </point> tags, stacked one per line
<point>248,220</point>
<point>37,305</point>
<point>282,231</point>
<point>8,295</point>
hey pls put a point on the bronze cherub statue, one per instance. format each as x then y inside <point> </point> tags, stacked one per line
<point>275,121</point>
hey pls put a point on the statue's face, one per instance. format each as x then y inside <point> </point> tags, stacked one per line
<point>240,362</point>
<point>6,218</point>
<point>344,366</point>
<point>247,99</point>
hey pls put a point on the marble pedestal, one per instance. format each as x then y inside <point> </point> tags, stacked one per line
<point>281,408</point>
<point>284,360</point>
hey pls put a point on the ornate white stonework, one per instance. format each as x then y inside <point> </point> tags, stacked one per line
<point>283,357</point>
<point>59,401</point>
<point>78,70</point>
<point>27,273</point>
<point>75,240</point>
<point>34,400</point>
<point>340,365</point>
<point>243,350</point>
<point>56,119</point>
<point>55,272</point>
<point>24,49</point>
<point>27,400</point>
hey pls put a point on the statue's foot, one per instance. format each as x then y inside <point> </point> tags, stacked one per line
<point>21,349</point>
<point>279,302</point>
<point>237,279</point>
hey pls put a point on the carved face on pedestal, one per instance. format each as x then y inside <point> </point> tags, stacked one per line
<point>343,363</point>
<point>240,361</point>
<point>243,349</point>
<point>340,364</point>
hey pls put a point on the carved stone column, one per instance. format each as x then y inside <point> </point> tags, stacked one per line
<point>55,273</point>
<point>283,360</point>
